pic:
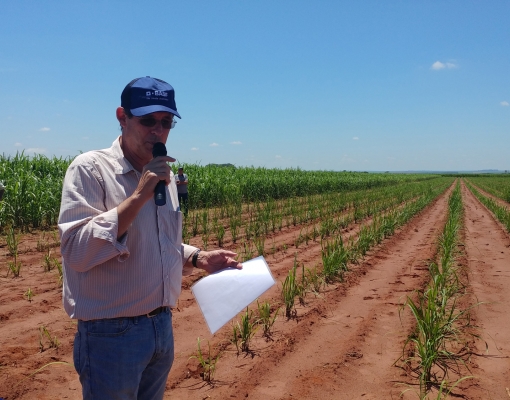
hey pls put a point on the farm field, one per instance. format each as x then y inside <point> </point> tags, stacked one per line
<point>360,260</point>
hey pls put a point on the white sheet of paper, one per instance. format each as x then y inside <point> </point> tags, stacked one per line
<point>224,294</point>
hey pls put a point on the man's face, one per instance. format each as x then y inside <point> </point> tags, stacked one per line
<point>138,139</point>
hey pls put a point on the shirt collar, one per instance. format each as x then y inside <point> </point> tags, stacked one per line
<point>122,165</point>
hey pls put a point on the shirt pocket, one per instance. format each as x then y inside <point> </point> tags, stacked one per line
<point>171,225</point>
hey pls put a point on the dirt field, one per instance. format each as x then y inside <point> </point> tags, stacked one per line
<point>343,344</point>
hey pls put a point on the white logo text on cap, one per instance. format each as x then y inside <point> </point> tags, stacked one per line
<point>156,93</point>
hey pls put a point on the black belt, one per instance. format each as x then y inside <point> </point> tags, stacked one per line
<point>155,312</point>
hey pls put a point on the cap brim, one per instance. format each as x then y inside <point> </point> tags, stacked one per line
<point>141,111</point>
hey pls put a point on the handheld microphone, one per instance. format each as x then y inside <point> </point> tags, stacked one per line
<point>159,149</point>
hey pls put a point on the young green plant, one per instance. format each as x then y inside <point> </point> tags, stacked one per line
<point>53,341</point>
<point>243,332</point>
<point>208,363</point>
<point>290,289</point>
<point>266,320</point>
<point>29,294</point>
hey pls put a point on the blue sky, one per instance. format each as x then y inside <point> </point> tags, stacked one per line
<point>324,85</point>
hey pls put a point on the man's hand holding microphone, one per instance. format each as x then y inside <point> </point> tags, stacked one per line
<point>155,176</point>
<point>155,172</point>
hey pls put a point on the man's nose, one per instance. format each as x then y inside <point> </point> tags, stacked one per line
<point>158,128</point>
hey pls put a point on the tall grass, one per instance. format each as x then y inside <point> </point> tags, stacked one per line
<point>215,185</point>
<point>34,185</point>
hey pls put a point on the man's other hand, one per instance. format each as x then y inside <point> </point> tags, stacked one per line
<point>212,261</point>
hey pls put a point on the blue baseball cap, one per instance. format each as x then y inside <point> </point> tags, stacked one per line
<point>146,95</point>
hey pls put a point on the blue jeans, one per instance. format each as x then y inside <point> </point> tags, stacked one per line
<point>124,358</point>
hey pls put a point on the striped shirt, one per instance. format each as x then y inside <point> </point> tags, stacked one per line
<point>105,277</point>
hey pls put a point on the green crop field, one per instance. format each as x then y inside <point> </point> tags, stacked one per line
<point>33,187</point>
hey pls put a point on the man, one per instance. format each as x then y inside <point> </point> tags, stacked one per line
<point>123,255</point>
<point>182,189</point>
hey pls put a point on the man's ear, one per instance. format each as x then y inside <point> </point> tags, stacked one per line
<point>121,116</point>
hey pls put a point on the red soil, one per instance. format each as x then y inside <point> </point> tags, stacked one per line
<point>343,344</point>
<point>488,255</point>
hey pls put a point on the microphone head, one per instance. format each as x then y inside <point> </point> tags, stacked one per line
<point>159,149</point>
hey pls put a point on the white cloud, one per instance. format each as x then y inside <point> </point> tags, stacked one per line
<point>277,156</point>
<point>35,150</point>
<point>214,144</point>
<point>505,103</point>
<point>194,148</point>
<point>235,142</point>
<point>45,129</point>
<point>355,138</point>
<point>439,65</point>
<point>18,144</point>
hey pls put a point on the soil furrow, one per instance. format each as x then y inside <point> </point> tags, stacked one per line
<point>487,249</point>
<point>349,343</point>
<point>186,330</point>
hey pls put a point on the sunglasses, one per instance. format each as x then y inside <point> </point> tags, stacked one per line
<point>150,122</point>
